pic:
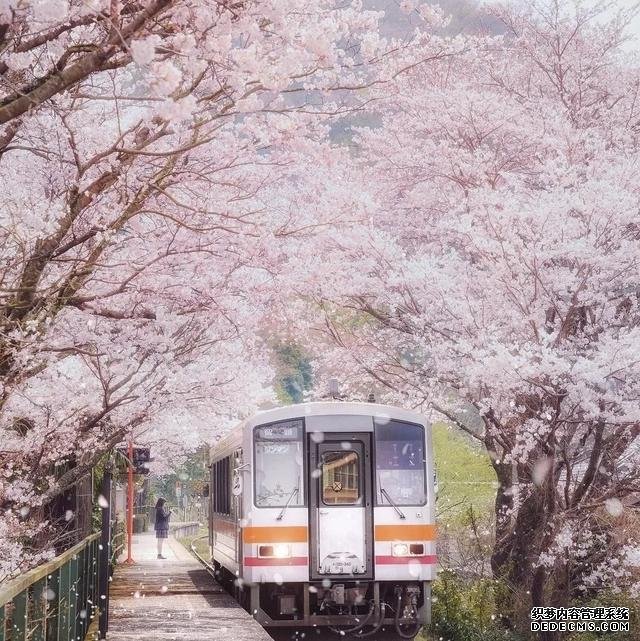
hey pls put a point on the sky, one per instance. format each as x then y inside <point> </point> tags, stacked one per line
<point>634,28</point>
<point>397,23</point>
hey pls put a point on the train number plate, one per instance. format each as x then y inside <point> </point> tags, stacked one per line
<point>341,563</point>
<point>340,567</point>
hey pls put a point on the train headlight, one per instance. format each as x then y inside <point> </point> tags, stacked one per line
<point>400,549</point>
<point>278,551</point>
<point>282,551</point>
<point>407,549</point>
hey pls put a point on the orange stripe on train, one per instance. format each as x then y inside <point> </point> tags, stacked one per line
<point>285,534</point>
<point>405,532</point>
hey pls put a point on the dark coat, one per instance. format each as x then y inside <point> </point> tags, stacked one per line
<point>162,519</point>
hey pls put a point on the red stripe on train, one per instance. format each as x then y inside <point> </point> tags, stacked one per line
<point>428,559</point>
<point>252,561</point>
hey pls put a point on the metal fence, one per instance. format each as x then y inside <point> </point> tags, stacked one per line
<point>56,601</point>
<point>118,540</point>
<point>180,530</point>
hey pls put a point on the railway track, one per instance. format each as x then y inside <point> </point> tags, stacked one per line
<point>195,553</point>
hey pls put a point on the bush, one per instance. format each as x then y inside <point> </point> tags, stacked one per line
<point>466,612</point>
<point>118,541</point>
<point>609,600</point>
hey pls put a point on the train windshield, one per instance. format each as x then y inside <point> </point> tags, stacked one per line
<point>400,463</point>
<point>279,464</point>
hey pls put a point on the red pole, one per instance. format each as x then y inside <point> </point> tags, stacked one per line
<point>130,504</point>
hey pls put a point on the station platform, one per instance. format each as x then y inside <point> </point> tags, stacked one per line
<point>173,600</point>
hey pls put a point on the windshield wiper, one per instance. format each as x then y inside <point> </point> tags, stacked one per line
<point>395,507</point>
<point>294,491</point>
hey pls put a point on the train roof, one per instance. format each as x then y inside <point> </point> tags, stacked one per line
<point>334,408</point>
<point>233,439</point>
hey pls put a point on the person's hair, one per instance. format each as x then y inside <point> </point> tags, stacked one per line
<point>160,503</point>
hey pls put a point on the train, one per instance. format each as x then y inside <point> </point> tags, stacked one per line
<point>323,515</point>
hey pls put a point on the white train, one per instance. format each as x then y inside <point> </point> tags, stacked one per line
<point>322,514</point>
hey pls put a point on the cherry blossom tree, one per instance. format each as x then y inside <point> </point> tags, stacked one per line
<point>156,157</point>
<point>498,275</point>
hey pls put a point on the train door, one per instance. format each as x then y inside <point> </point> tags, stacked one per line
<point>341,506</point>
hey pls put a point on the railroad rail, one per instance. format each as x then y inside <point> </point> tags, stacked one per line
<point>375,632</point>
<point>198,556</point>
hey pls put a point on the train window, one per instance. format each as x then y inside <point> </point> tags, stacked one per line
<point>279,468</point>
<point>225,486</point>
<point>221,486</point>
<point>216,485</point>
<point>400,463</point>
<point>340,478</point>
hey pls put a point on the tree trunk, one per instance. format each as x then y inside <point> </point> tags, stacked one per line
<point>514,560</point>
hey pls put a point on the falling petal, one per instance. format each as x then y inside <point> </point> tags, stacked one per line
<point>614,507</point>
<point>540,470</point>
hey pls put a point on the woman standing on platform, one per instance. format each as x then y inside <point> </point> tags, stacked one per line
<point>162,524</point>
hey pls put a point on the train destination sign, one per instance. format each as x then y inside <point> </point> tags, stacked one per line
<point>285,431</point>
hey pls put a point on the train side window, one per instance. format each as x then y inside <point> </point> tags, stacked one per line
<point>216,500</point>
<point>214,487</point>
<point>400,463</point>
<point>341,478</point>
<point>220,491</point>
<point>221,502</point>
<point>226,485</point>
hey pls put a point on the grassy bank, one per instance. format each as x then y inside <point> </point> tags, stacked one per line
<point>465,476</point>
<point>200,541</point>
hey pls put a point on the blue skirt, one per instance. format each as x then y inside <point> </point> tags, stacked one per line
<point>162,534</point>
